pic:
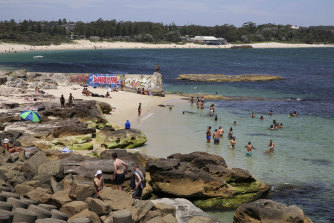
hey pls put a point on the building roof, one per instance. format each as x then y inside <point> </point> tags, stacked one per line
<point>205,38</point>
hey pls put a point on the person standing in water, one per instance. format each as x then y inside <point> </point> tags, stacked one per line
<point>139,109</point>
<point>271,112</point>
<point>252,115</point>
<point>212,109</point>
<point>221,131</point>
<point>271,146</point>
<point>230,134</point>
<point>249,148</point>
<point>208,135</point>
<point>216,137</point>
<point>70,100</point>
<point>62,101</point>
<point>232,143</point>
<point>191,100</point>
<point>119,173</point>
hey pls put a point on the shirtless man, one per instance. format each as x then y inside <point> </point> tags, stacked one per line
<point>221,131</point>
<point>119,173</point>
<point>249,148</point>
<point>216,137</point>
<point>98,182</point>
<point>208,135</point>
<point>202,104</point>
<point>191,100</point>
<point>70,100</point>
<point>271,146</point>
<point>232,143</point>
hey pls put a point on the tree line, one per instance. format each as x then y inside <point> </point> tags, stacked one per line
<point>56,32</point>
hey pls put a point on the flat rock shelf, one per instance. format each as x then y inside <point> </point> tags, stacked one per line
<point>228,78</point>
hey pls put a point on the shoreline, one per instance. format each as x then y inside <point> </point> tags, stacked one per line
<point>88,45</point>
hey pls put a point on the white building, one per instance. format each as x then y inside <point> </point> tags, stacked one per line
<point>209,40</point>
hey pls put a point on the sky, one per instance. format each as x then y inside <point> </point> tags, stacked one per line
<point>181,12</point>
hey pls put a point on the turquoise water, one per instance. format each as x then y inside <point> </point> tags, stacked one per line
<point>300,168</point>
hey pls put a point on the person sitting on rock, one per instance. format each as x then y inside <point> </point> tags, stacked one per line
<point>10,147</point>
<point>115,89</point>
<point>98,182</point>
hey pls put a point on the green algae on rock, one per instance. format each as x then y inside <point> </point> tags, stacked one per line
<point>228,78</point>
<point>122,138</point>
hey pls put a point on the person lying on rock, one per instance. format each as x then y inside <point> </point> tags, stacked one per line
<point>10,147</point>
<point>98,182</point>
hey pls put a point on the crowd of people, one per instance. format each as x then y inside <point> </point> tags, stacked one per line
<point>218,133</point>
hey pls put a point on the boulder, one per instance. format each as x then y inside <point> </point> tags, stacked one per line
<point>39,211</point>
<point>23,215</point>
<point>105,107</point>
<point>94,218</point>
<point>36,160</point>
<point>165,209</point>
<point>48,207</point>
<point>169,218</point>
<point>97,206</point>
<point>122,216</point>
<point>268,211</point>
<point>201,219</point>
<point>26,187</point>
<point>49,220</point>
<point>81,191</point>
<point>122,138</point>
<point>37,194</point>
<point>54,168</point>
<point>140,209</point>
<point>6,206</point>
<point>204,178</point>
<point>59,215</point>
<point>60,198</point>
<point>157,219</point>
<point>116,199</point>
<point>73,207</point>
<point>185,210</point>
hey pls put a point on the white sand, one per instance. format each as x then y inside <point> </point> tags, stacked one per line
<point>86,44</point>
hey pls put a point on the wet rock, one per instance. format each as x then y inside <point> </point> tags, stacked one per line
<point>268,211</point>
<point>105,107</point>
<point>122,138</point>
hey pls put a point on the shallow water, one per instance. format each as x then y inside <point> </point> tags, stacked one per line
<point>299,169</point>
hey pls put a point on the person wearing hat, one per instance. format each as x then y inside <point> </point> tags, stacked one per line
<point>5,144</point>
<point>98,182</point>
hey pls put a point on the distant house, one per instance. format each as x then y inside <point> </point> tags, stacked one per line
<point>209,40</point>
<point>294,27</point>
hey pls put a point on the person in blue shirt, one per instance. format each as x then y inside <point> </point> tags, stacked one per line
<point>127,124</point>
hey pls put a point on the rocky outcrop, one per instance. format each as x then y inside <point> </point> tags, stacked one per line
<point>122,138</point>
<point>184,209</point>
<point>268,211</point>
<point>227,78</point>
<point>205,179</point>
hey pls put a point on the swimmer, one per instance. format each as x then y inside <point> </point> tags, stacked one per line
<point>252,115</point>
<point>271,146</point>
<point>235,123</point>
<point>191,100</point>
<point>230,134</point>
<point>294,114</point>
<point>216,137</point>
<point>216,118</point>
<point>274,122</point>
<point>232,143</point>
<point>271,127</point>
<point>197,102</point>
<point>221,131</point>
<point>262,118</point>
<point>212,108</point>
<point>249,148</point>
<point>281,125</point>
<point>271,112</point>
<point>202,104</point>
<point>208,135</point>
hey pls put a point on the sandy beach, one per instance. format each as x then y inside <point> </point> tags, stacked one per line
<point>86,45</point>
<point>124,103</point>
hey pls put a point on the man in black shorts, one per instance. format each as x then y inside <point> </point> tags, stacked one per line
<point>119,173</point>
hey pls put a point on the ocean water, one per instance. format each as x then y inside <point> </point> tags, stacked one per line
<point>300,168</point>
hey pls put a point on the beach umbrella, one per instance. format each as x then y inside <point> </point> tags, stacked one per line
<point>30,116</point>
